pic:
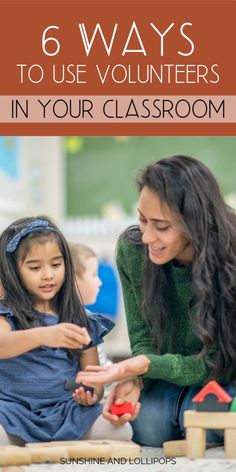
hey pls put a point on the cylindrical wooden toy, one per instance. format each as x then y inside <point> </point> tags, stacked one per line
<point>47,454</point>
<point>16,456</point>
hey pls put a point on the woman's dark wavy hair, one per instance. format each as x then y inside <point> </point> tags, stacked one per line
<point>67,302</point>
<point>189,189</point>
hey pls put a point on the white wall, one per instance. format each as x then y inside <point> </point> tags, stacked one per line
<point>44,162</point>
<point>39,186</point>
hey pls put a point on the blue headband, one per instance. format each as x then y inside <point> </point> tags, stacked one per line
<point>36,225</point>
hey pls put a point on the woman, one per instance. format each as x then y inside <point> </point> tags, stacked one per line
<point>178,274</point>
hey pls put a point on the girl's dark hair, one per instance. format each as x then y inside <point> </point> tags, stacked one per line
<point>190,190</point>
<point>67,302</point>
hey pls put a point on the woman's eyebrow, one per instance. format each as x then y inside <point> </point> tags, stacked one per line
<point>154,219</point>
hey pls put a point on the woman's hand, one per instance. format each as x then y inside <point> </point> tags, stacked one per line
<point>84,397</point>
<point>67,335</point>
<point>93,374</point>
<point>126,391</point>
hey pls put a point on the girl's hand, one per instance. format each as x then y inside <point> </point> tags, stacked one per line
<point>67,335</point>
<point>84,397</point>
<point>93,374</point>
<point>126,391</point>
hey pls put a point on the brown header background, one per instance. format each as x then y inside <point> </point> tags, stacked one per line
<point>213,33</point>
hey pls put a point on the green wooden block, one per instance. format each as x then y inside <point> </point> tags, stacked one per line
<point>233,405</point>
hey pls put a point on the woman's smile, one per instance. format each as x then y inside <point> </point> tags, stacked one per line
<point>156,250</point>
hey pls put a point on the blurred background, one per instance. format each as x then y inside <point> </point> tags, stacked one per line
<point>87,185</point>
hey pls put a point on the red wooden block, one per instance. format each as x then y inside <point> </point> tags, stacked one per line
<point>214,388</point>
<point>212,397</point>
<point>121,409</point>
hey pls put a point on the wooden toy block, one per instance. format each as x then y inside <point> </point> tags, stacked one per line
<point>37,453</point>
<point>233,405</point>
<point>212,397</point>
<point>122,409</point>
<point>230,443</point>
<point>209,420</point>
<point>211,403</point>
<point>96,449</point>
<point>47,454</point>
<point>20,456</point>
<point>197,422</point>
<point>55,443</point>
<point>9,446</point>
<point>175,448</point>
<point>196,443</point>
<point>126,449</point>
<point>12,468</point>
<point>212,387</point>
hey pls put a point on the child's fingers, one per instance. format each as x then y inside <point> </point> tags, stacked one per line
<point>67,335</point>
<point>76,340</point>
<point>80,395</point>
<point>112,418</point>
<point>109,401</point>
<point>136,410</point>
<point>117,420</point>
<point>78,334</point>
<point>73,345</point>
<point>91,399</point>
<point>124,419</point>
<point>79,338</point>
<point>84,397</point>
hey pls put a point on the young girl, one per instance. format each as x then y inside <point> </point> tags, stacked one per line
<point>45,337</point>
<point>178,273</point>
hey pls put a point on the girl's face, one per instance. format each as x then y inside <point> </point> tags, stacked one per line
<point>42,272</point>
<point>161,230</point>
<point>89,283</point>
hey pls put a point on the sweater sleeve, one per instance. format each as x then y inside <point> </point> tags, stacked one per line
<point>175,368</point>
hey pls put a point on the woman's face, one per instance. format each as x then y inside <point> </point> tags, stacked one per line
<point>161,230</point>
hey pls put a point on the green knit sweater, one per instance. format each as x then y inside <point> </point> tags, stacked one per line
<point>182,366</point>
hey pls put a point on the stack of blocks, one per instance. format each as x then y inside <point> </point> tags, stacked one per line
<point>38,453</point>
<point>215,409</point>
